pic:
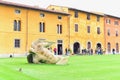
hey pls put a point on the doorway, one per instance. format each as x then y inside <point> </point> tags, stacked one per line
<point>60,51</point>
<point>98,45</point>
<point>76,48</point>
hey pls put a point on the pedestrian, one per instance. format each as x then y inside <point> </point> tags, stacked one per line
<point>66,51</point>
<point>99,50</point>
<point>113,51</point>
<point>91,51</point>
<point>55,51</point>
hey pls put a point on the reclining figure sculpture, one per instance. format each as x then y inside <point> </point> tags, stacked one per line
<point>40,54</point>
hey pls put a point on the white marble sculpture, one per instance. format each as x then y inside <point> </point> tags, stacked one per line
<point>40,54</point>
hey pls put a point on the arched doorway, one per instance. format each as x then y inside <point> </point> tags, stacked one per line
<point>98,45</point>
<point>109,47</point>
<point>88,45</point>
<point>76,48</point>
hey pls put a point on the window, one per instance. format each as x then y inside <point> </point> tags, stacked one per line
<point>88,16</point>
<point>17,11</point>
<point>59,41</point>
<point>42,27</point>
<point>117,47</point>
<point>116,33</point>
<point>98,18</point>
<point>88,29</point>
<point>59,29</point>
<point>76,14</point>
<point>17,25</point>
<point>108,21</point>
<point>76,27</point>
<point>42,14</point>
<point>98,30</point>
<point>17,43</point>
<point>108,47</point>
<point>116,23</point>
<point>108,32</point>
<point>59,17</point>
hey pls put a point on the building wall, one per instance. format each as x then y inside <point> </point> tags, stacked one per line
<point>82,36</point>
<point>30,20</point>
<point>7,33</point>
<point>112,38</point>
<point>58,8</point>
<point>51,20</point>
<point>30,29</point>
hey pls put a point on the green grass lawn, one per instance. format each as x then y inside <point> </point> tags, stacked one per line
<point>96,67</point>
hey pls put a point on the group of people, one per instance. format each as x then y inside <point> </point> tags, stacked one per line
<point>98,51</point>
<point>87,51</point>
<point>67,51</point>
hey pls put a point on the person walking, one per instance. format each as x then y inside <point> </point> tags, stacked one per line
<point>66,51</point>
<point>113,51</point>
<point>99,51</point>
<point>55,51</point>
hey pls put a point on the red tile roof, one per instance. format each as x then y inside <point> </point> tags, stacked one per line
<point>30,7</point>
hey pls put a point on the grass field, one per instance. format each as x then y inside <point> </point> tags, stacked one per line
<point>96,67</point>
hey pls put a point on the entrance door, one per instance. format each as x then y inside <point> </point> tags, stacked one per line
<point>60,51</point>
<point>76,48</point>
<point>59,47</point>
<point>109,47</point>
<point>88,45</point>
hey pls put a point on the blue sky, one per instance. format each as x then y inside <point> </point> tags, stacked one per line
<point>111,7</point>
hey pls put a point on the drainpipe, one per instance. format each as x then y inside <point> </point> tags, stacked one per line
<point>104,34</point>
<point>69,30</point>
<point>26,46</point>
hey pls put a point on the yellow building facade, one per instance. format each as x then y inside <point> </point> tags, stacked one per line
<point>20,25</point>
<point>7,33</point>
<point>86,29</point>
<point>69,28</point>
